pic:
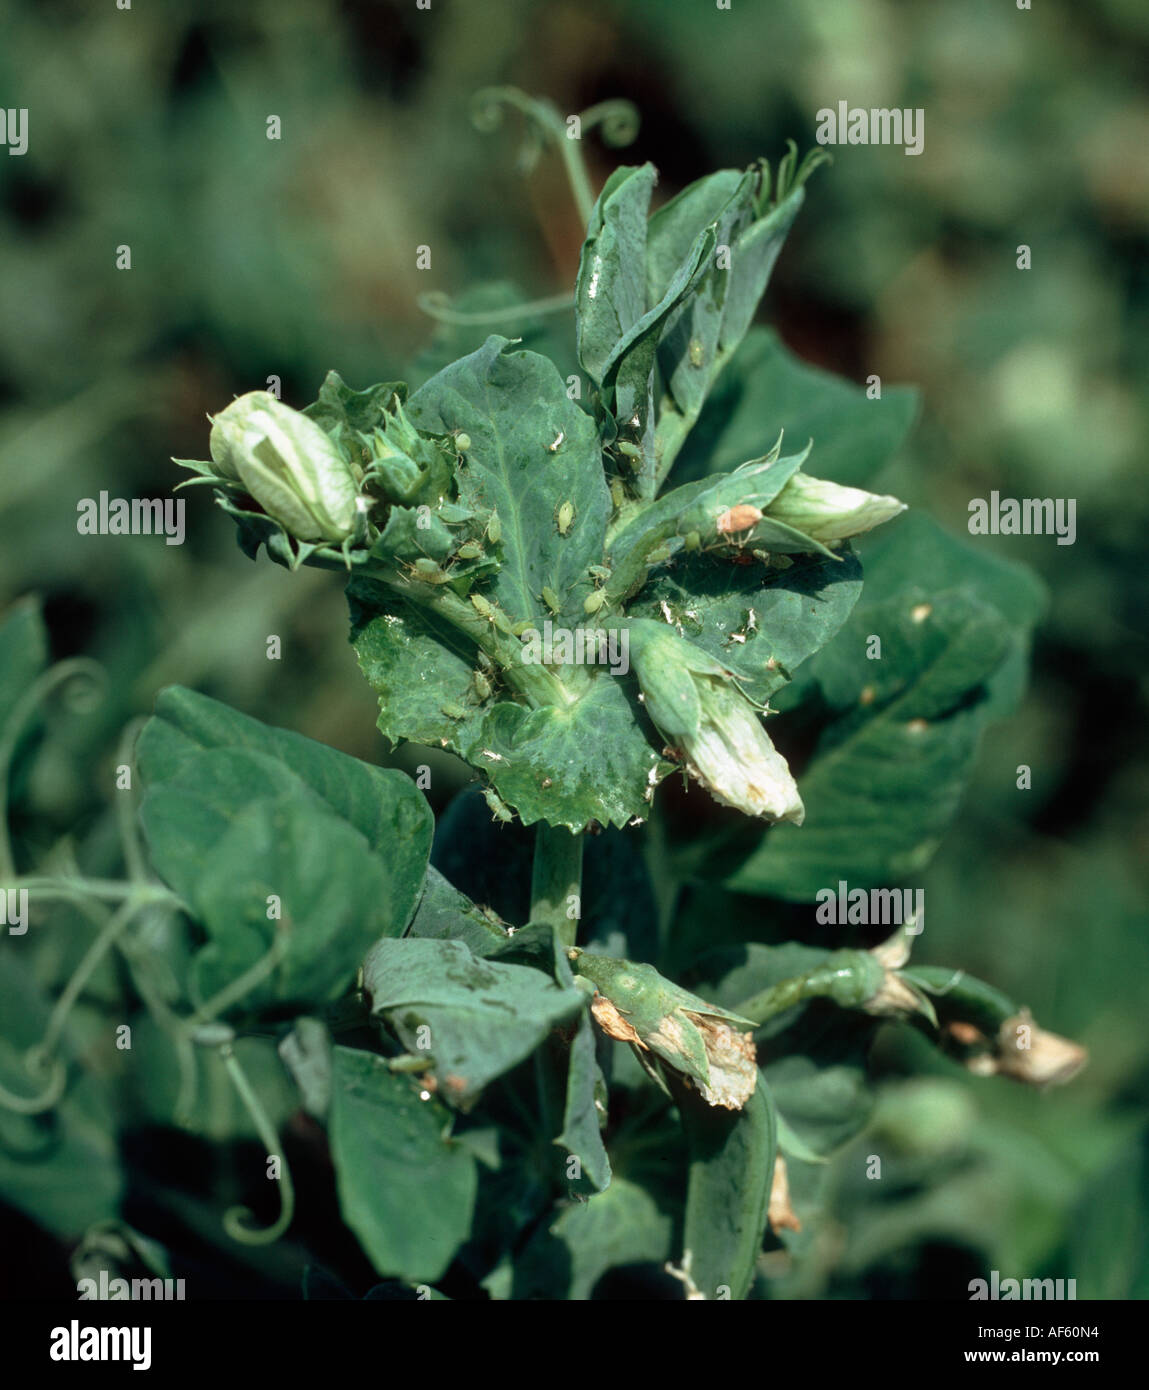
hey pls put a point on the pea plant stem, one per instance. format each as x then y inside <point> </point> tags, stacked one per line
<point>556,880</point>
<point>539,685</point>
<point>961,997</point>
<point>829,979</point>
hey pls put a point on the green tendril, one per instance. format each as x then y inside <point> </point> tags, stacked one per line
<point>46,1100</point>
<point>16,725</point>
<point>133,850</point>
<point>437,306</point>
<point>235,1218</point>
<point>617,120</point>
<point>243,984</point>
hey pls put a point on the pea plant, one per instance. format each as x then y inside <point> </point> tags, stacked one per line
<point>624,561</point>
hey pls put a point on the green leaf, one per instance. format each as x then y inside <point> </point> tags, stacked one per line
<point>581,1132</point>
<point>916,558</point>
<point>445,914</point>
<point>587,761</point>
<point>422,671</point>
<point>484,1016</point>
<point>406,1191</point>
<point>783,616</point>
<point>766,389</point>
<point>676,226</point>
<point>704,331</point>
<point>610,293</point>
<point>888,773</point>
<point>709,324</point>
<point>332,892</point>
<point>297,843</point>
<point>514,406</point>
<point>728,1191</point>
<point>344,412</point>
<point>624,1225</point>
<point>380,803</point>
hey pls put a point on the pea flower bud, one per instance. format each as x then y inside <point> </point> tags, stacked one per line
<point>289,465</point>
<point>696,706</point>
<point>828,512</point>
<point>635,1004</point>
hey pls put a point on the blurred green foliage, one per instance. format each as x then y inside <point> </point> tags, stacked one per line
<point>253,258</point>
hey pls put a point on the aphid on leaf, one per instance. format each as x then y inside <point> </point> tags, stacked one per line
<point>462,441</point>
<point>499,808</point>
<point>697,354</point>
<point>469,550</point>
<point>599,572</point>
<point>594,601</point>
<point>494,528</point>
<point>551,599</point>
<point>617,493</point>
<point>739,518</point>
<point>564,516</point>
<point>482,685</point>
<point>452,710</point>
<point>426,571</point>
<point>630,451</point>
<point>493,614</point>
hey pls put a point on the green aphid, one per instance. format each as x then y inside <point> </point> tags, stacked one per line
<point>484,607</point>
<point>499,808</point>
<point>429,572</point>
<point>630,451</point>
<point>503,623</point>
<point>617,493</point>
<point>469,550</point>
<point>598,572</point>
<point>697,353</point>
<point>494,528</point>
<point>525,626</point>
<point>462,441</point>
<point>453,710</point>
<point>482,685</point>
<point>551,599</point>
<point>692,541</point>
<point>594,601</point>
<point>564,516</point>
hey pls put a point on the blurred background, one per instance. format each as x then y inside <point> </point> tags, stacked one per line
<point>253,258</point>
